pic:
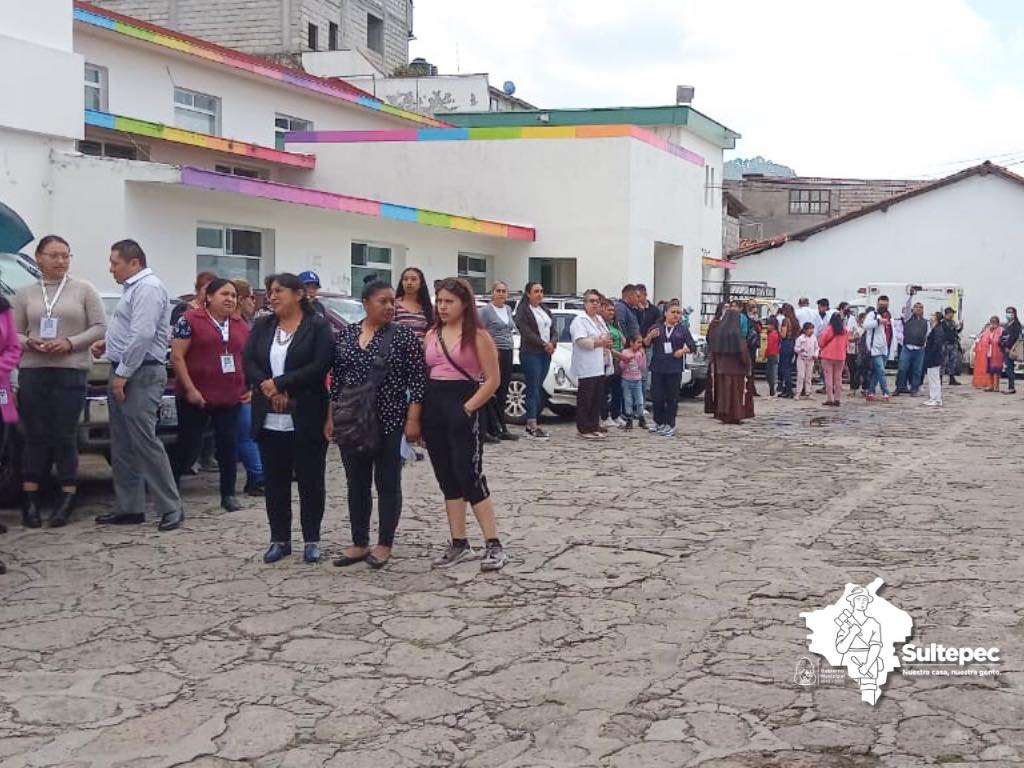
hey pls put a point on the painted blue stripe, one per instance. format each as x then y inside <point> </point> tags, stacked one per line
<point>398,212</point>
<point>371,103</point>
<point>99,119</point>
<point>442,134</point>
<point>95,19</point>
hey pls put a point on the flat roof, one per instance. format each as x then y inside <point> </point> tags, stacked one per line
<point>682,115</point>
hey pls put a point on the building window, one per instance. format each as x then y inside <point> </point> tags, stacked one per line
<point>284,123</point>
<point>313,32</point>
<point>112,149</point>
<point>230,252</point>
<point>370,261</point>
<point>474,269</point>
<point>332,36</point>
<point>809,201</point>
<point>245,173</point>
<point>196,111</point>
<point>95,88</point>
<point>374,33</point>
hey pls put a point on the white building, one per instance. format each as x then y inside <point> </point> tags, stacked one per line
<point>183,145</point>
<point>963,230</point>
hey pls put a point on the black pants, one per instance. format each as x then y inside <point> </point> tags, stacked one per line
<point>853,368</point>
<point>493,414</point>
<point>384,469</point>
<point>613,397</point>
<point>191,425</point>
<point>589,402</point>
<point>305,456</point>
<point>454,441</point>
<point>665,396</point>
<point>50,401</point>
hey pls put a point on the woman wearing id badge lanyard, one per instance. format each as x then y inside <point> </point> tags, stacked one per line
<point>669,343</point>
<point>56,320</point>
<point>206,352</point>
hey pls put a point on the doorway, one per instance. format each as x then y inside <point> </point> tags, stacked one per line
<point>558,276</point>
<point>668,272</point>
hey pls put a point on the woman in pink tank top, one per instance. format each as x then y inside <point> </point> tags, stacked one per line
<point>462,375</point>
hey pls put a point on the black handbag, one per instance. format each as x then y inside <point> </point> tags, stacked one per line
<point>356,426</point>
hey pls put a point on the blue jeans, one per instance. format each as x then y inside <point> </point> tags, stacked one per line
<point>911,370</point>
<point>771,372</point>
<point>535,369</point>
<point>248,451</point>
<point>632,399</point>
<point>878,375</point>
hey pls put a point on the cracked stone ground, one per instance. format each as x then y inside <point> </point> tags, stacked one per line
<point>649,615</point>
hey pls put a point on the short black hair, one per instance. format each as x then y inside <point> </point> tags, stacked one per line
<point>641,287</point>
<point>950,310</point>
<point>823,302</point>
<point>374,287</point>
<point>883,297</point>
<point>628,288</point>
<point>129,250</point>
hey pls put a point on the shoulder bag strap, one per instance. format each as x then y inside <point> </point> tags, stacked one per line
<point>456,366</point>
<point>379,370</point>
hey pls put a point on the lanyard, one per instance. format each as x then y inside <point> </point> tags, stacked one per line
<point>225,330</point>
<point>48,305</point>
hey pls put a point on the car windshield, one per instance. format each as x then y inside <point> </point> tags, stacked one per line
<point>15,273</point>
<point>349,310</point>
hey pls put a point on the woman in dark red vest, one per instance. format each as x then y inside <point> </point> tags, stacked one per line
<point>206,352</point>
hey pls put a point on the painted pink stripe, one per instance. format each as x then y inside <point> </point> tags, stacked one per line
<point>352,137</point>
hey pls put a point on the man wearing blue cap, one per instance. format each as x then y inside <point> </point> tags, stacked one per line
<point>311,280</point>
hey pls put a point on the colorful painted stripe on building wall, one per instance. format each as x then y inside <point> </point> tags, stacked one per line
<point>97,17</point>
<point>179,136</point>
<point>285,193</point>
<point>492,134</point>
<point>719,263</point>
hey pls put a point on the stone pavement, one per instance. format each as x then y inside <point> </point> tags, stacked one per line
<point>649,615</point>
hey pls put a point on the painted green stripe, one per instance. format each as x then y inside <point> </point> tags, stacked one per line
<point>141,127</point>
<point>496,133</point>
<point>434,219</point>
<point>128,29</point>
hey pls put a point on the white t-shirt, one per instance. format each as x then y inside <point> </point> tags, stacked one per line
<point>543,323</point>
<point>587,362</point>
<point>505,314</point>
<point>278,422</point>
<point>806,315</point>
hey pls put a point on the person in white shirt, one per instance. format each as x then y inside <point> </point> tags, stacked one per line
<point>591,358</point>
<point>804,312</point>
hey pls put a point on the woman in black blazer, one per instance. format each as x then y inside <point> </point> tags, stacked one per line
<point>286,361</point>
<point>537,339</point>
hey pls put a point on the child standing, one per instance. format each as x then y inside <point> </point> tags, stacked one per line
<point>806,353</point>
<point>771,354</point>
<point>787,356</point>
<point>633,363</point>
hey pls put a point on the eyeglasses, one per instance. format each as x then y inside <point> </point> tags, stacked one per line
<point>56,254</point>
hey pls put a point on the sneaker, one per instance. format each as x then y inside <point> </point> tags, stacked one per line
<point>589,435</point>
<point>654,428</point>
<point>870,398</point>
<point>641,422</point>
<point>455,554</point>
<point>536,434</point>
<point>667,431</point>
<point>607,423</point>
<point>494,558</point>
<point>933,403</point>
<point>619,422</point>
<point>886,398</point>
<point>627,425</point>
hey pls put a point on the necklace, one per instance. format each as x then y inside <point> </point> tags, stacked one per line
<point>281,337</point>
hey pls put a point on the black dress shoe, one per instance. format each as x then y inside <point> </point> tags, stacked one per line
<point>507,436</point>
<point>491,439</point>
<point>171,521</point>
<point>3,528</point>
<point>344,560</point>
<point>62,512</point>
<point>255,489</point>
<point>230,503</point>
<point>30,510</point>
<point>375,562</point>
<point>128,518</point>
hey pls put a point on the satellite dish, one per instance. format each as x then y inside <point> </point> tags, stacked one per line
<point>509,87</point>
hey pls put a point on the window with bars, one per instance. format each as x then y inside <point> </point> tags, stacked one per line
<point>474,269</point>
<point>196,111</point>
<point>95,88</point>
<point>285,123</point>
<point>370,262</point>
<point>809,201</point>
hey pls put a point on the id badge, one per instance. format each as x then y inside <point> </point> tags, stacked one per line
<point>3,397</point>
<point>667,346</point>
<point>227,363</point>
<point>48,327</point>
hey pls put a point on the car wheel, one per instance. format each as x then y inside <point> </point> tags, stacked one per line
<point>515,403</point>
<point>695,388</point>
<point>10,466</point>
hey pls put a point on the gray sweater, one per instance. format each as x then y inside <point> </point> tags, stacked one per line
<point>80,318</point>
<point>497,327</point>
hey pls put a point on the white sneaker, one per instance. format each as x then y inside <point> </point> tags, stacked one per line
<point>619,422</point>
<point>933,403</point>
<point>655,428</point>
<point>667,431</point>
<point>608,424</point>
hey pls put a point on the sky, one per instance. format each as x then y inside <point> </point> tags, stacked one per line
<point>873,88</point>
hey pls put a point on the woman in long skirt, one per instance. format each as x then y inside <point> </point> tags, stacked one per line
<point>731,359</point>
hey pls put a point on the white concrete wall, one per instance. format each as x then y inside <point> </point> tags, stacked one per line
<point>41,89</point>
<point>163,219</point>
<point>604,202</point>
<point>968,233</point>
<point>142,78</point>
<point>430,95</point>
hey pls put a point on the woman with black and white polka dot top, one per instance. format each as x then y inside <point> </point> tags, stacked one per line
<point>398,401</point>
